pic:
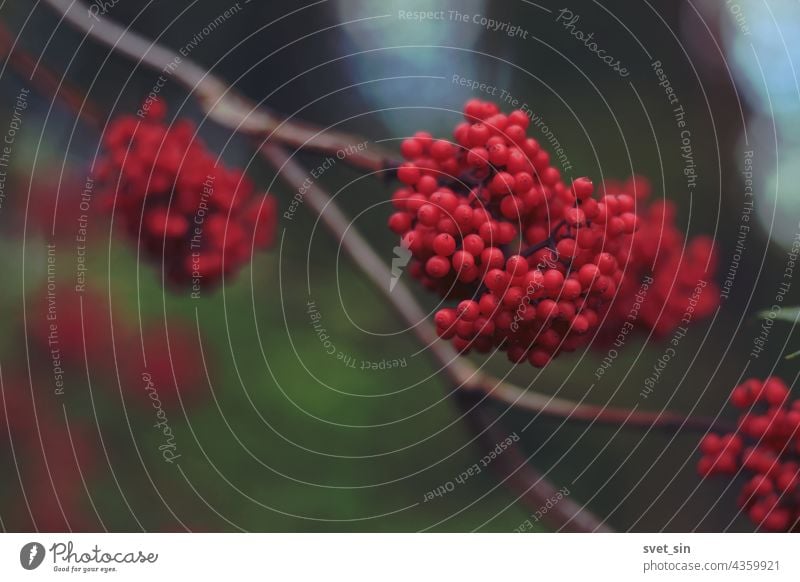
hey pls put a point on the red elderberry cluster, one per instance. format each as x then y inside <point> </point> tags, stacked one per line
<point>184,206</point>
<point>667,278</point>
<point>489,220</point>
<point>766,447</point>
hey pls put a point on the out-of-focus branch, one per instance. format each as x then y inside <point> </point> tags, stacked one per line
<point>463,373</point>
<point>224,106</point>
<point>400,296</point>
<point>532,487</point>
<point>217,99</point>
<point>521,477</point>
<point>45,80</point>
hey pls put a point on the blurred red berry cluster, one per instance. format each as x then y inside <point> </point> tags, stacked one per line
<point>187,210</point>
<point>679,272</point>
<point>81,331</point>
<point>766,448</point>
<point>536,262</point>
<point>50,461</point>
<point>45,434</point>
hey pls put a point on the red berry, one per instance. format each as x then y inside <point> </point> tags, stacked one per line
<point>547,310</point>
<point>580,324</point>
<point>606,263</point>
<point>445,318</point>
<point>408,174</point>
<point>498,154</point>
<point>437,267</point>
<point>520,118</point>
<point>442,149</point>
<point>539,358</point>
<point>502,183</point>
<point>427,185</point>
<point>478,157</point>
<point>553,281</point>
<point>566,248</point>
<point>572,289</point>
<point>473,244</point>
<point>400,222</point>
<point>478,134</point>
<point>473,110</point>
<point>411,149</point>
<point>575,217</point>
<point>512,208</point>
<point>517,265</point>
<point>497,280</point>
<point>491,257</point>
<point>582,188</point>
<point>444,245</point>
<point>468,310</point>
<point>775,391</point>
<point>444,200</point>
<point>463,260</point>
<point>587,274</point>
<point>428,215</point>
<point>515,133</point>
<point>517,161</point>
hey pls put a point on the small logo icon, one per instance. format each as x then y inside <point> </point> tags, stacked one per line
<point>402,255</point>
<point>31,555</point>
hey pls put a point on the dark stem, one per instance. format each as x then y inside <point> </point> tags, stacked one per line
<point>515,469</point>
<point>549,242</point>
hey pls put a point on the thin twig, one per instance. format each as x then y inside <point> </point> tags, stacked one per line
<point>463,373</point>
<point>217,99</point>
<point>369,262</point>
<point>41,77</point>
<point>514,468</point>
<point>534,489</point>
<point>227,108</point>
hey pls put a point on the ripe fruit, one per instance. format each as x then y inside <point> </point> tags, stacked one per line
<point>543,263</point>
<point>444,245</point>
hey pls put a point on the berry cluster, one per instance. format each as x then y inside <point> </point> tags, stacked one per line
<point>489,220</point>
<point>185,207</point>
<point>766,447</point>
<point>679,273</point>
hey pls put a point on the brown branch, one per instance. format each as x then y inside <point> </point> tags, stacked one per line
<point>226,107</point>
<point>461,372</point>
<point>561,408</point>
<point>534,489</point>
<point>45,80</point>
<point>239,114</point>
<point>515,468</point>
<point>217,99</point>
